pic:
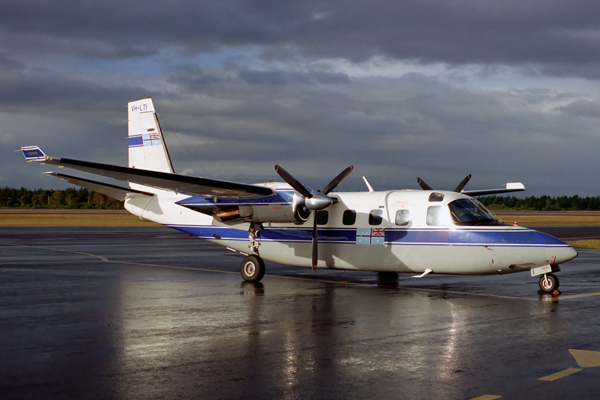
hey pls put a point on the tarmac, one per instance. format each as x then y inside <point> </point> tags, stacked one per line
<point>150,313</point>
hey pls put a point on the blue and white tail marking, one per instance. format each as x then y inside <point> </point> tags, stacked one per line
<point>33,153</point>
<point>147,149</point>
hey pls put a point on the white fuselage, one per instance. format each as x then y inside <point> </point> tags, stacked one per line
<point>396,231</point>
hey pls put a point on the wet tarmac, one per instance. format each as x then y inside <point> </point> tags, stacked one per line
<point>149,313</point>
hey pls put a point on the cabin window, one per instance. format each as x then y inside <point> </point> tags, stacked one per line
<point>402,217</point>
<point>375,217</point>
<point>322,217</point>
<point>349,217</point>
<point>437,216</point>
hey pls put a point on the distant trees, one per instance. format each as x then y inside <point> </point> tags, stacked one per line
<point>83,198</point>
<point>68,198</point>
<point>543,203</point>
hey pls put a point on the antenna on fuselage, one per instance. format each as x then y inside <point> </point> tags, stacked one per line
<point>368,185</point>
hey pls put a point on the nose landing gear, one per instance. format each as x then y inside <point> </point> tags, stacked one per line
<point>548,283</point>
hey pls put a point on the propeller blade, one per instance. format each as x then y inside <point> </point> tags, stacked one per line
<point>423,185</point>
<point>315,244</point>
<point>293,182</point>
<point>337,180</point>
<point>462,184</point>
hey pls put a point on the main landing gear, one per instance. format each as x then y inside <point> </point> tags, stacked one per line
<point>253,268</point>
<point>548,283</point>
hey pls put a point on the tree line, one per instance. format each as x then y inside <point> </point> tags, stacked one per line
<point>543,203</point>
<point>49,198</point>
<point>84,198</point>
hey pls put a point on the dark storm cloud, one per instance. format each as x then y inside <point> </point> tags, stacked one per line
<point>392,130</point>
<point>9,64</point>
<point>583,108</point>
<point>460,32</point>
<point>49,92</point>
<point>244,85</point>
<point>281,77</point>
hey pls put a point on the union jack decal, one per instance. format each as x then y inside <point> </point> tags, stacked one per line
<point>377,232</point>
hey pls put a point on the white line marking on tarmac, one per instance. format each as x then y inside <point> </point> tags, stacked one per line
<point>54,249</point>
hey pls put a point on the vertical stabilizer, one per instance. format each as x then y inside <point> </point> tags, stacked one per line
<point>147,147</point>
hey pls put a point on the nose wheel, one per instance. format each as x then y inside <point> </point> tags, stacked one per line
<point>548,283</point>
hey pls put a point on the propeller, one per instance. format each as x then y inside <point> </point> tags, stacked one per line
<point>460,186</point>
<point>314,201</point>
<point>423,185</point>
<point>463,183</point>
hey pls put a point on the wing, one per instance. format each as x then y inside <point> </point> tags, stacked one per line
<point>510,187</point>
<point>161,180</point>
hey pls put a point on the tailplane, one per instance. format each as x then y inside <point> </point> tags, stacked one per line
<point>147,147</point>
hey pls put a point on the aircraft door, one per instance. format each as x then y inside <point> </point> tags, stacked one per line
<point>401,213</point>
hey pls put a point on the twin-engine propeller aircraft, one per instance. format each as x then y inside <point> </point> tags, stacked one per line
<point>417,231</point>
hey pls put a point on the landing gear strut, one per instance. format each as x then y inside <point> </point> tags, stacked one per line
<point>254,237</point>
<point>252,268</point>
<point>548,283</point>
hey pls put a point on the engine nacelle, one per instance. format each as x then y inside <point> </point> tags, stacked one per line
<point>301,212</point>
<point>270,213</point>
<point>285,213</point>
<point>285,208</point>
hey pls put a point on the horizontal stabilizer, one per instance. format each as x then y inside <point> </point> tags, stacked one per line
<point>33,153</point>
<point>510,187</point>
<point>161,180</point>
<point>116,192</point>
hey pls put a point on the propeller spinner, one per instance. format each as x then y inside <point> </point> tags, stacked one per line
<point>314,201</point>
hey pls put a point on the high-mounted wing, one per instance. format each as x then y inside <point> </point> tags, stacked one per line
<point>161,180</point>
<point>510,187</point>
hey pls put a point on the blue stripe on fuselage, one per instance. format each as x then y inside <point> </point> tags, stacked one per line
<point>438,237</point>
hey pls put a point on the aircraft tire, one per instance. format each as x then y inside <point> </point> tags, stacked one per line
<point>252,268</point>
<point>548,283</point>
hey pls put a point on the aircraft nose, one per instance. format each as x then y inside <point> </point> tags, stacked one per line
<point>558,252</point>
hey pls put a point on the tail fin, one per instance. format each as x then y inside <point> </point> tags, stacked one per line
<point>147,147</point>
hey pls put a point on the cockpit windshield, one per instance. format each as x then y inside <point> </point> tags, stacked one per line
<point>471,212</point>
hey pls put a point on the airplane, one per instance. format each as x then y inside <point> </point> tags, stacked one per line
<point>421,232</point>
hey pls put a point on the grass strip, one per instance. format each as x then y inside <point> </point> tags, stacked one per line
<point>35,218</point>
<point>586,244</point>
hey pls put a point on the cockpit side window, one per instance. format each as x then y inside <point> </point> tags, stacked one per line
<point>471,212</point>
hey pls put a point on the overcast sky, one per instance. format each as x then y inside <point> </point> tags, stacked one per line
<point>507,91</point>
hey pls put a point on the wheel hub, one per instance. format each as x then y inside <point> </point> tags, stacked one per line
<point>250,268</point>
